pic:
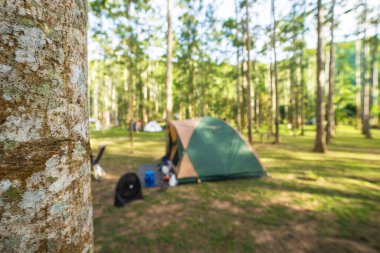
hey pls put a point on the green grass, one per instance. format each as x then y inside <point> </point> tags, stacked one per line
<point>310,203</point>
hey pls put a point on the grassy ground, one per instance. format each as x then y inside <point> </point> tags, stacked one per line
<point>310,202</point>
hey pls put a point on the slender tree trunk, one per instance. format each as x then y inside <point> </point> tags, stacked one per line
<point>271,99</point>
<point>297,100</point>
<point>293,82</point>
<point>169,66</point>
<point>375,84</point>
<point>238,88</point>
<point>320,145</point>
<point>287,102</point>
<point>374,76</point>
<point>302,109</point>
<point>108,85</point>
<point>243,107</point>
<point>257,98</point>
<point>358,83</point>
<point>249,75</point>
<point>131,106</point>
<point>45,184</point>
<point>330,102</point>
<point>366,96</point>
<point>277,114</point>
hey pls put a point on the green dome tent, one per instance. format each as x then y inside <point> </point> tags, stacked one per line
<point>210,149</point>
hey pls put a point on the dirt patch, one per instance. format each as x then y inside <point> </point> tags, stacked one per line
<point>164,208</point>
<point>298,238</point>
<point>225,206</point>
<point>243,196</point>
<point>305,202</point>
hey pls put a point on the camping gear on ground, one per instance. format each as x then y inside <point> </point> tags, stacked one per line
<point>149,178</point>
<point>173,180</point>
<point>152,126</point>
<point>210,149</point>
<point>96,170</point>
<point>165,169</point>
<point>128,188</point>
<point>157,174</point>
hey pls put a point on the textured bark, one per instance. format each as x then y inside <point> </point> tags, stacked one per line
<point>45,186</point>
<point>169,67</point>
<point>277,109</point>
<point>330,102</point>
<point>249,74</point>
<point>320,145</point>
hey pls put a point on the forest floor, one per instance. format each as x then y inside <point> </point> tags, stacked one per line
<point>310,203</point>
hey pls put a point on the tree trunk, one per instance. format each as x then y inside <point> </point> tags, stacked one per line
<point>45,184</point>
<point>358,83</point>
<point>293,82</point>
<point>249,74</point>
<point>257,98</point>
<point>375,84</point>
<point>169,66</point>
<point>238,85</point>
<point>320,145</point>
<point>271,100</point>
<point>108,87</point>
<point>277,114</point>
<point>330,102</point>
<point>366,96</point>
<point>374,76</point>
<point>302,108</point>
<point>131,106</point>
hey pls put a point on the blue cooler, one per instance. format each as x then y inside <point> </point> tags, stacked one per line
<point>149,178</point>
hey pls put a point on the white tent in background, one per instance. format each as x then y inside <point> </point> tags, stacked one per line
<point>152,126</point>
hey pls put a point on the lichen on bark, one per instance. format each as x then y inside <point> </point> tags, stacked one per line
<point>45,191</point>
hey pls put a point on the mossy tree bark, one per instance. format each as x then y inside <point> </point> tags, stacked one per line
<point>45,187</point>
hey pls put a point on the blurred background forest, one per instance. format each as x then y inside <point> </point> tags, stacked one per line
<point>214,41</point>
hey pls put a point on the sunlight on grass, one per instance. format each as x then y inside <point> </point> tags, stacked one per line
<point>323,196</point>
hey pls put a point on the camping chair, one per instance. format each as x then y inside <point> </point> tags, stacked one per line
<point>97,171</point>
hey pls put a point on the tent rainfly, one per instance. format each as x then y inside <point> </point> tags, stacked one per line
<point>210,149</point>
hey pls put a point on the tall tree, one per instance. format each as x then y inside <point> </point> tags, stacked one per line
<point>169,66</point>
<point>277,109</point>
<point>366,114</point>
<point>320,144</point>
<point>44,144</point>
<point>330,102</point>
<point>374,69</point>
<point>249,73</point>
<point>238,85</point>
